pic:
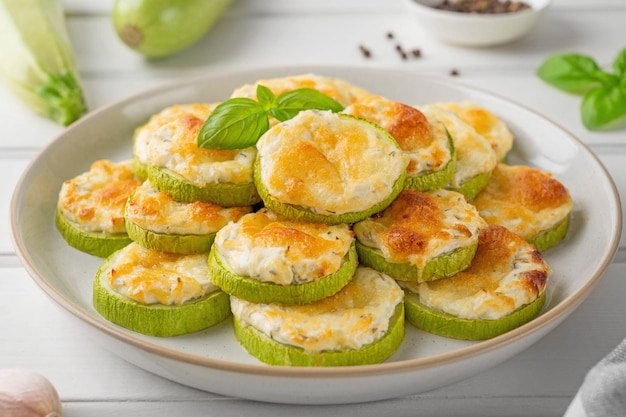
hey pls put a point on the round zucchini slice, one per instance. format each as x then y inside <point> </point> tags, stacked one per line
<point>443,324</point>
<point>157,319</point>
<point>223,194</point>
<point>98,244</point>
<point>328,167</point>
<point>272,352</point>
<point>268,292</point>
<point>439,267</point>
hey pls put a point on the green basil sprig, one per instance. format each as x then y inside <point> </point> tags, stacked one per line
<point>238,123</point>
<point>604,93</point>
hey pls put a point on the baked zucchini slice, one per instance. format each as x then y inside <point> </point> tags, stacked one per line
<point>527,201</point>
<point>421,236</point>
<point>328,167</point>
<point>269,292</point>
<point>156,221</point>
<point>504,287</point>
<point>266,258</point>
<point>361,324</point>
<point>144,278</point>
<point>90,207</point>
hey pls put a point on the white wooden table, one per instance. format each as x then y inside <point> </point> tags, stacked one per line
<point>541,381</point>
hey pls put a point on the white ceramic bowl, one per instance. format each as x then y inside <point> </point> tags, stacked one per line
<point>472,29</point>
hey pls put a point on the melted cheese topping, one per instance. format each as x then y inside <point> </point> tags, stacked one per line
<point>419,226</point>
<point>525,200</point>
<point>486,124</point>
<point>329,163</point>
<point>171,141</point>
<point>266,247</point>
<point>155,210</point>
<point>153,277</point>
<point>506,274</point>
<point>343,92</point>
<point>473,152</point>
<point>425,144</point>
<point>96,199</point>
<point>143,133</point>
<point>354,317</point>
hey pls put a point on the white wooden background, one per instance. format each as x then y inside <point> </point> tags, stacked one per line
<point>541,381</point>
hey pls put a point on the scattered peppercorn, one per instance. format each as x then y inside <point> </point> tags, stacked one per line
<point>416,53</point>
<point>482,6</point>
<point>365,51</point>
<point>390,35</point>
<point>454,72</point>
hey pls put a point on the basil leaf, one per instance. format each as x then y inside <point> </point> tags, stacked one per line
<point>265,97</point>
<point>236,123</point>
<point>603,105</point>
<point>573,73</point>
<point>619,64</point>
<point>290,103</point>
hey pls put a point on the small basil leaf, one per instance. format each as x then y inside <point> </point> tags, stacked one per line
<point>603,105</point>
<point>619,64</point>
<point>571,72</point>
<point>237,123</point>
<point>265,97</point>
<point>290,103</point>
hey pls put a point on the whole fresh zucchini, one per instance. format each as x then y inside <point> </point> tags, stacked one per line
<point>157,28</point>
<point>37,61</point>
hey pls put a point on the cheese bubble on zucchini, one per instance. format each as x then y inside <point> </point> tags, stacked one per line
<point>175,164</point>
<point>266,258</point>
<point>428,145</point>
<point>363,323</point>
<point>529,202</point>
<point>421,236</point>
<point>503,288</point>
<point>158,293</point>
<point>326,167</point>
<point>90,207</point>
<point>157,221</point>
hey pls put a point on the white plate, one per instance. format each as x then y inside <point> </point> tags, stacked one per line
<point>212,360</point>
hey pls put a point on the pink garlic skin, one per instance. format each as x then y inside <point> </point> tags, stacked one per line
<point>25,393</point>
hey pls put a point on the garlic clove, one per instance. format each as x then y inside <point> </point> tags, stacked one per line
<point>26,393</point>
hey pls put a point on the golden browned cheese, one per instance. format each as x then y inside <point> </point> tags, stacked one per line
<point>149,276</point>
<point>338,89</point>
<point>485,123</point>
<point>96,199</point>
<point>498,255</point>
<point>155,210</point>
<point>524,199</point>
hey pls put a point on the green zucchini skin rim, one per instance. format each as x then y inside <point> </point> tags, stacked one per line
<point>163,242</point>
<point>551,237</point>
<point>473,186</point>
<point>442,266</point>
<point>447,325</point>
<point>433,180</point>
<point>157,319</point>
<point>272,352</point>
<point>256,291</point>
<point>180,189</point>
<point>98,244</point>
